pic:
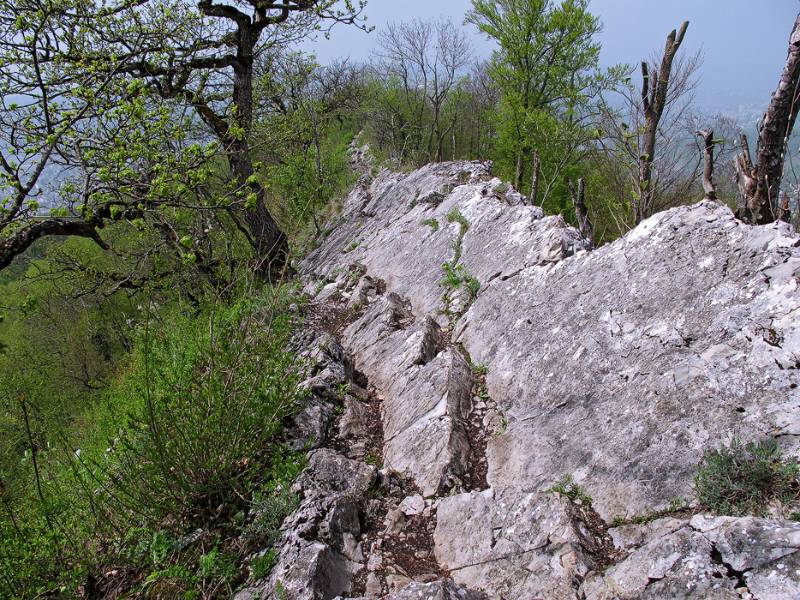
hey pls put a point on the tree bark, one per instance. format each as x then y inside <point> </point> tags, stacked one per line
<point>271,244</point>
<point>518,169</point>
<point>581,212</point>
<point>709,188</point>
<point>655,85</point>
<point>535,179</point>
<point>784,212</point>
<point>17,243</point>
<point>759,184</point>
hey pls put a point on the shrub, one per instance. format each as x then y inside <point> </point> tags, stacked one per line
<point>270,508</point>
<point>208,398</point>
<point>174,453</point>
<point>742,479</point>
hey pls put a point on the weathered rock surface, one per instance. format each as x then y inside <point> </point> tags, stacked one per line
<point>319,547</point>
<point>516,544</point>
<point>439,590</point>
<point>619,366</point>
<point>707,557</point>
<point>537,359</point>
<point>642,354</point>
<point>426,389</point>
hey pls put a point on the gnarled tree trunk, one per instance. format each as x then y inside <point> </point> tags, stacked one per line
<point>271,244</point>
<point>760,183</point>
<point>585,224</point>
<point>655,85</point>
<point>709,188</point>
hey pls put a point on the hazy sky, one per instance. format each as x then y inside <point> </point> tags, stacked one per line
<point>744,42</point>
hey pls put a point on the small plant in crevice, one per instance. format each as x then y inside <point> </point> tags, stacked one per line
<point>503,426</point>
<point>478,368</point>
<point>455,216</point>
<point>502,188</point>
<point>745,479</point>
<point>352,246</point>
<point>261,566</point>
<point>280,591</point>
<point>677,504</point>
<point>566,486</point>
<point>457,276</point>
<point>373,459</point>
<point>432,223</point>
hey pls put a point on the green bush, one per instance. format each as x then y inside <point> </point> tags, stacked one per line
<point>744,479</point>
<point>208,398</point>
<point>175,452</point>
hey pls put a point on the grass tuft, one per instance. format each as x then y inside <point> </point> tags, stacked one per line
<point>744,479</point>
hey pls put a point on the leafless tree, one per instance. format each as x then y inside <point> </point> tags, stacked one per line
<point>648,144</point>
<point>427,57</point>
<point>655,94</point>
<point>581,212</point>
<point>709,187</point>
<point>481,98</point>
<point>760,183</point>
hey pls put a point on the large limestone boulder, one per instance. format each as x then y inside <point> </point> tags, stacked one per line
<point>619,366</point>
<point>623,365</point>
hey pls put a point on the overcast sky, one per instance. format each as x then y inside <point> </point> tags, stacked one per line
<point>744,42</point>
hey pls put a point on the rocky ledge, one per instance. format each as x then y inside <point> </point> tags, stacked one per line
<point>475,352</point>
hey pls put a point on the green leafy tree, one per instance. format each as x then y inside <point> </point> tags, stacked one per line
<point>546,67</point>
<point>304,125</point>
<point>100,94</point>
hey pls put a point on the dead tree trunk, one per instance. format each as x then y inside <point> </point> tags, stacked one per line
<point>759,184</point>
<point>655,85</point>
<point>535,178</point>
<point>709,187</point>
<point>581,213</point>
<point>784,211</point>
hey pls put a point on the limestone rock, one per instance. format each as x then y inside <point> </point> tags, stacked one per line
<point>412,505</point>
<point>440,590</point>
<point>624,365</point>
<point>513,544</point>
<point>708,557</point>
<point>437,590</point>
<point>620,366</point>
<point>426,391</point>
<point>319,540</point>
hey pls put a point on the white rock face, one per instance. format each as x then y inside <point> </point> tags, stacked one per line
<point>622,365</point>
<point>618,366</point>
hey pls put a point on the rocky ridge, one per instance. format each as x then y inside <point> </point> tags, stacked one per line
<point>471,352</point>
